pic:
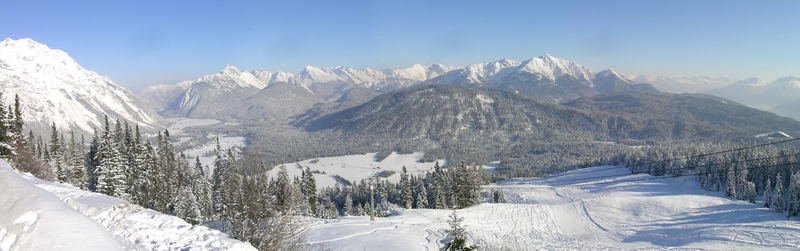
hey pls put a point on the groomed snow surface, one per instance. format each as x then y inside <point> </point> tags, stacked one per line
<point>541,213</point>
<point>41,215</point>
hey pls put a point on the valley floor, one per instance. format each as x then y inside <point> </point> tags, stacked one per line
<point>553,213</point>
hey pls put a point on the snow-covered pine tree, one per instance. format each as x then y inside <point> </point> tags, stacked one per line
<point>438,191</point>
<point>348,205</point>
<point>405,186</point>
<point>778,203</point>
<point>383,207</point>
<point>466,186</point>
<point>187,207</point>
<point>422,195</point>
<point>328,210</point>
<point>457,234</point>
<point>91,162</point>
<point>793,196</point>
<point>309,189</point>
<point>145,183</point>
<point>6,142</point>
<point>201,187</point>
<point>78,176</point>
<point>767,194</point>
<point>730,183</point>
<point>111,177</point>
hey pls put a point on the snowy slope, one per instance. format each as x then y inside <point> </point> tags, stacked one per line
<point>545,77</point>
<point>54,88</point>
<point>33,219</point>
<point>355,168</point>
<point>108,222</point>
<point>543,214</point>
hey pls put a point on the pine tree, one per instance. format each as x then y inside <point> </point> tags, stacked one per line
<point>187,207</point>
<point>328,210</point>
<point>78,176</point>
<point>283,191</point>
<point>458,234</point>
<point>383,208</point>
<point>778,203</point>
<point>6,142</point>
<point>220,165</point>
<point>405,185</point>
<point>201,187</point>
<point>348,205</point>
<point>110,174</point>
<point>767,194</point>
<point>466,186</point>
<point>91,162</point>
<point>793,196</point>
<point>438,191</point>
<point>309,189</point>
<point>730,183</point>
<point>422,196</point>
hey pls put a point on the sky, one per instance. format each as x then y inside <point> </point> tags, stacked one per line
<point>142,43</point>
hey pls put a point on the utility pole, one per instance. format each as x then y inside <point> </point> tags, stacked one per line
<point>371,200</point>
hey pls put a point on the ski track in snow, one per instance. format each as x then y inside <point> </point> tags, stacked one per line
<point>540,214</point>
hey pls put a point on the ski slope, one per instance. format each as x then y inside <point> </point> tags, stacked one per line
<point>41,215</point>
<point>542,213</point>
<point>357,167</point>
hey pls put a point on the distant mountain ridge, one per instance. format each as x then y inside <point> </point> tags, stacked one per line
<point>780,96</point>
<point>54,88</point>
<point>544,77</point>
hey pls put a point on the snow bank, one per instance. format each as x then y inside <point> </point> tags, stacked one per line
<point>33,219</point>
<point>137,228</point>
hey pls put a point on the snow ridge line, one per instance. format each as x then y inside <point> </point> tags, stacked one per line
<point>353,235</point>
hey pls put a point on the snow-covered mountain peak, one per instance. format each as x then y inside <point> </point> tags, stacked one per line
<point>231,77</point>
<point>231,70</point>
<point>57,89</point>
<point>612,73</point>
<point>553,67</point>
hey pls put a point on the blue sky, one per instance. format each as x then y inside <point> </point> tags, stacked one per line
<point>140,43</point>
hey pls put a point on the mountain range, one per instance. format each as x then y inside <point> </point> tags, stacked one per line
<point>545,77</point>
<point>781,96</point>
<point>56,89</point>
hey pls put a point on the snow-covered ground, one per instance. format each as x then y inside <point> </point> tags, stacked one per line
<point>33,219</point>
<point>542,213</point>
<point>204,151</point>
<point>41,215</point>
<point>358,167</point>
<point>176,125</point>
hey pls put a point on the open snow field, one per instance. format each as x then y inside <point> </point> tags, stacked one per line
<point>204,151</point>
<point>357,167</point>
<point>41,215</point>
<point>541,213</point>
